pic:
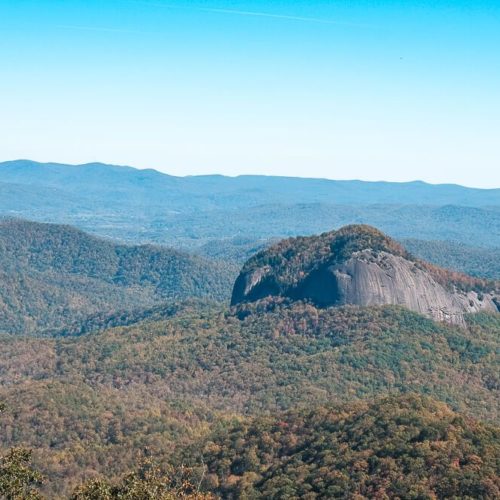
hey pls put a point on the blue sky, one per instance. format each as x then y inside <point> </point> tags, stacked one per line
<point>373,90</point>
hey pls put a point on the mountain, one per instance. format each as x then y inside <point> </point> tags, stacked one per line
<point>327,377</point>
<point>53,276</point>
<point>476,261</point>
<point>132,186</point>
<point>146,206</point>
<point>359,265</point>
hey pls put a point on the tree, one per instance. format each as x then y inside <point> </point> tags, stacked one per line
<point>18,480</point>
<point>149,482</point>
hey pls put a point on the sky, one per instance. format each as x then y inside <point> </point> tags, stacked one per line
<point>373,90</point>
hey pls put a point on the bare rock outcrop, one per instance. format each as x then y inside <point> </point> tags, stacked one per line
<point>360,265</point>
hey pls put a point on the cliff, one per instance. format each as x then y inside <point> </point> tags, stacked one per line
<point>360,265</point>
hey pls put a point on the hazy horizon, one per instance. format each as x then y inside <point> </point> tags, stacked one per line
<point>305,177</point>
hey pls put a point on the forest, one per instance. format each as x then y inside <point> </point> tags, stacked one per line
<point>92,407</point>
<point>54,276</point>
<point>126,374</point>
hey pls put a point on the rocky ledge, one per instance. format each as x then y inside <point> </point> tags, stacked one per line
<point>359,265</point>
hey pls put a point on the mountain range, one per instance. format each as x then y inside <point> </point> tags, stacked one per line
<point>190,212</point>
<point>57,279</point>
<point>266,352</point>
<point>130,186</point>
<point>91,406</point>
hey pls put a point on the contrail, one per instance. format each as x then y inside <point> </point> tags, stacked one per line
<point>247,13</point>
<point>275,16</point>
<point>254,14</point>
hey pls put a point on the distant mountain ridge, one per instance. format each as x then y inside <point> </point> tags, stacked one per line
<point>213,191</point>
<point>359,265</point>
<point>146,206</point>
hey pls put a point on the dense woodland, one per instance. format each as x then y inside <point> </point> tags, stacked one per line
<point>53,276</point>
<point>475,261</point>
<point>125,374</point>
<point>409,447</point>
<point>90,405</point>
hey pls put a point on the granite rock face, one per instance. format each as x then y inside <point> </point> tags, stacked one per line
<point>335,270</point>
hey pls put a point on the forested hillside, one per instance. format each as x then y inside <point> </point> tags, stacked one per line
<point>360,265</point>
<point>54,276</point>
<point>57,279</point>
<point>398,447</point>
<point>90,405</point>
<point>130,376</point>
<point>482,262</point>
<point>468,259</point>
